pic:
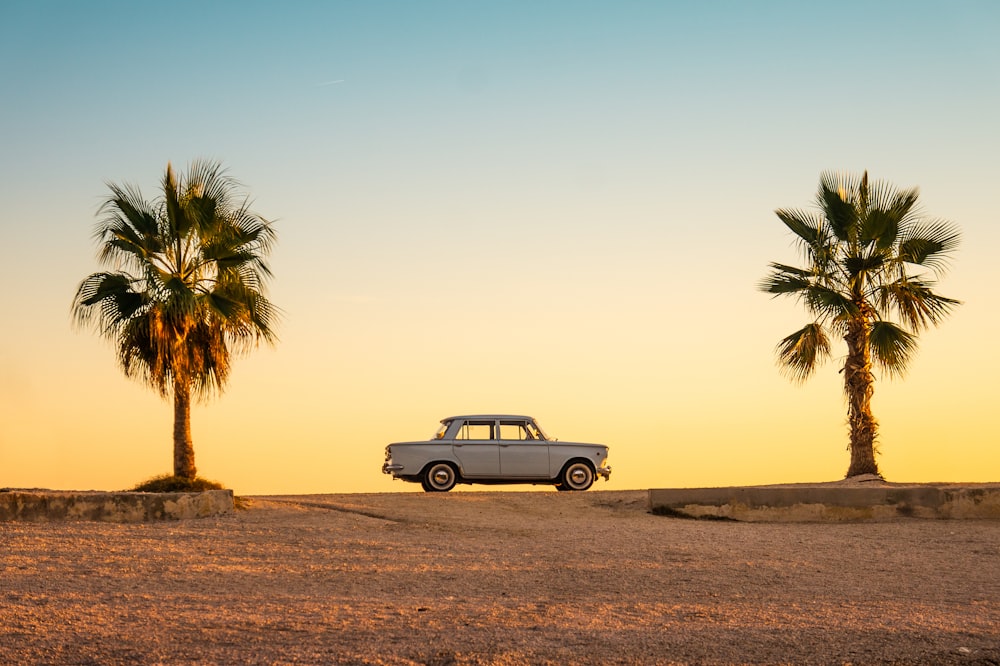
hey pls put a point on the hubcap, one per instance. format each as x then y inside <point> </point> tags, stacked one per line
<point>578,476</point>
<point>441,477</point>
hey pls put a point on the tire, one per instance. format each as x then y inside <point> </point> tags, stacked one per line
<point>439,478</point>
<point>577,475</point>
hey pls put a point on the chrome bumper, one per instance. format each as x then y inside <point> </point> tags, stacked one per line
<point>605,472</point>
<point>391,469</point>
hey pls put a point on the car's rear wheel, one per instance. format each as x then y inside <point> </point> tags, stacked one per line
<point>577,475</point>
<point>439,478</point>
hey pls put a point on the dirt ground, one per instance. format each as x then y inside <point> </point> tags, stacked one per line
<point>496,578</point>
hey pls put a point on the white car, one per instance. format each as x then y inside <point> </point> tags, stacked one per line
<point>495,448</point>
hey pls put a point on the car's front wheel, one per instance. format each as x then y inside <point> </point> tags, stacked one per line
<point>439,478</point>
<point>577,476</point>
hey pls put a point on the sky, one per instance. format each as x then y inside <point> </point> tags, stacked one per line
<point>560,209</point>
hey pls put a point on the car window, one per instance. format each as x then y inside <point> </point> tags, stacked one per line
<point>442,430</point>
<point>535,432</point>
<point>515,430</point>
<point>478,430</point>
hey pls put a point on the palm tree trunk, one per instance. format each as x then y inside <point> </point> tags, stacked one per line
<point>183,445</point>
<point>859,385</point>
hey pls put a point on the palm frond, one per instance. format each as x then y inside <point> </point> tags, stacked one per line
<point>903,203</point>
<point>107,301</point>
<point>792,270</point>
<point>807,226</point>
<point>126,201</point>
<point>801,352</point>
<point>177,221</point>
<point>783,281</point>
<point>879,227</point>
<point>209,353</point>
<point>836,196</point>
<point>830,302</point>
<point>864,264</point>
<point>265,316</point>
<point>930,243</point>
<point>252,229</point>
<point>892,347</point>
<point>127,228</point>
<point>916,303</point>
<point>208,179</point>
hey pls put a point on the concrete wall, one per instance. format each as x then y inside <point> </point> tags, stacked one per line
<point>830,502</point>
<point>54,505</point>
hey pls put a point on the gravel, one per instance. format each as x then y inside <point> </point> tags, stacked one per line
<point>496,578</point>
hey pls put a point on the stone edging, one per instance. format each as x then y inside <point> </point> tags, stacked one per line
<point>831,502</point>
<point>122,507</point>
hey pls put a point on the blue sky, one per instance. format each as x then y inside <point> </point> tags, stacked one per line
<point>575,196</point>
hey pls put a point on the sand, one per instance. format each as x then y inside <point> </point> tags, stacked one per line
<point>496,578</point>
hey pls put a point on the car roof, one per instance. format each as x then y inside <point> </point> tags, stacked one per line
<point>488,417</point>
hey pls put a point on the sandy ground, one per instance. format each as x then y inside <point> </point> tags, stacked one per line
<point>496,578</point>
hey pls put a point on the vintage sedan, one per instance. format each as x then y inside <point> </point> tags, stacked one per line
<point>495,448</point>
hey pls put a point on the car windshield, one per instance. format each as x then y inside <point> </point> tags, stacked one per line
<point>442,430</point>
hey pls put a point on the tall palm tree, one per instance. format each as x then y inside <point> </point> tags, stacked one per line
<point>186,291</point>
<point>871,263</point>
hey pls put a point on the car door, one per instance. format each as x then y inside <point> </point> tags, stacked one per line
<point>522,454</point>
<point>476,448</point>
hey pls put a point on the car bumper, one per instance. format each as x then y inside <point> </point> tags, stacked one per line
<point>605,472</point>
<point>391,469</point>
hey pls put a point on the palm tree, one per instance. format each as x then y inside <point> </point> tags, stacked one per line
<point>186,291</point>
<point>871,258</point>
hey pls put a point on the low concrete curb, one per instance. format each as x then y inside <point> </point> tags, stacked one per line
<point>44,506</point>
<point>832,502</point>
